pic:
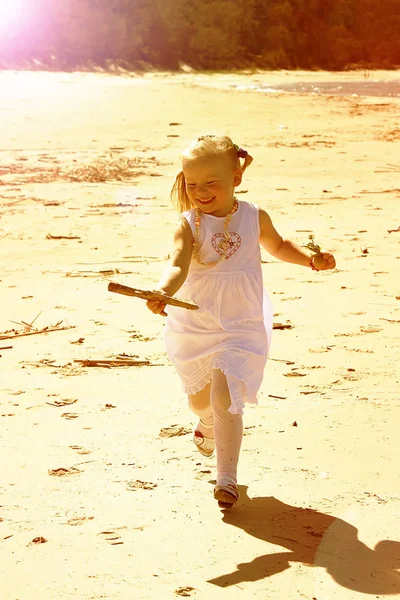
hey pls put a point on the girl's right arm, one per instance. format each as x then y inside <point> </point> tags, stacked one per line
<point>174,276</point>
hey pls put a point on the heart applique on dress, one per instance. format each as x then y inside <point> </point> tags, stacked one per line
<point>226,246</point>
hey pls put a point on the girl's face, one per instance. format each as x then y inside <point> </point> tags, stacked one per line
<point>210,183</point>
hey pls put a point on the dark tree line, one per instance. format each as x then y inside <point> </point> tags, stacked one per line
<point>205,34</point>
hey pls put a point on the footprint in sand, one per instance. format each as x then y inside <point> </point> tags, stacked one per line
<point>111,538</point>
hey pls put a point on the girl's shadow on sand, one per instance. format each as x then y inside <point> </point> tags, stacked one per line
<point>314,539</point>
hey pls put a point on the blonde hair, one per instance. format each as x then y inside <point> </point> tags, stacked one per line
<point>207,144</point>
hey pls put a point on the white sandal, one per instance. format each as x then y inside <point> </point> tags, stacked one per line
<point>204,445</point>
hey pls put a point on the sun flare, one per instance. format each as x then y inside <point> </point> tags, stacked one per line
<point>10,12</point>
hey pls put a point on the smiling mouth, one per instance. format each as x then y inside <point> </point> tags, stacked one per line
<point>205,200</point>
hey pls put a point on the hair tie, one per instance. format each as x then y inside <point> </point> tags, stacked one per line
<point>209,136</point>
<point>240,151</point>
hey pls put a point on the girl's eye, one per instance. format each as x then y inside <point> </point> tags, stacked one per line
<point>191,185</point>
<point>210,182</point>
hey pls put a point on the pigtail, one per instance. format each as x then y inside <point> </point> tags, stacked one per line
<point>241,153</point>
<point>179,197</point>
<point>247,162</point>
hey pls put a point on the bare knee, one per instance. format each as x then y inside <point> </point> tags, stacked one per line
<point>201,401</point>
<point>220,395</point>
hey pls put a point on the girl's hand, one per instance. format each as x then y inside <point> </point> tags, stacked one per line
<point>323,261</point>
<point>157,306</point>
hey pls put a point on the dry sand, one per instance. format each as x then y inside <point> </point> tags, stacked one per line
<point>99,462</point>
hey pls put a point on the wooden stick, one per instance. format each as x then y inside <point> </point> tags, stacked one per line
<point>62,237</point>
<point>6,348</point>
<point>112,363</point>
<point>151,295</point>
<point>38,315</point>
<point>46,330</point>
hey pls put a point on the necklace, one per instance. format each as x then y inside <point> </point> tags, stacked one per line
<point>196,243</point>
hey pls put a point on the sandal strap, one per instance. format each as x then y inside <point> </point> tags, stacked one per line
<point>206,443</point>
<point>206,425</point>
<point>229,489</point>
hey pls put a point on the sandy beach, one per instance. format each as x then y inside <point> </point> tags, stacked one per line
<point>102,493</point>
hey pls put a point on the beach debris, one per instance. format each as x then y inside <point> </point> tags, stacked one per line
<point>66,402</point>
<point>102,273</point>
<point>113,362</point>
<point>62,472</point>
<point>99,170</point>
<point>28,329</point>
<point>75,521</point>
<point>370,329</point>
<point>381,319</point>
<point>6,348</point>
<point>140,485</point>
<point>132,259</point>
<point>113,538</point>
<point>311,245</point>
<point>364,250</point>
<point>80,341</point>
<point>389,168</point>
<point>70,416</point>
<point>282,326</point>
<point>295,374</point>
<point>49,236</point>
<point>39,540</point>
<point>394,230</point>
<point>184,591</point>
<point>151,295</point>
<point>114,205</point>
<point>284,360</point>
<point>80,450</point>
<point>174,431</point>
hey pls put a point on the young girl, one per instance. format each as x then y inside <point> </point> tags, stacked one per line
<point>220,350</point>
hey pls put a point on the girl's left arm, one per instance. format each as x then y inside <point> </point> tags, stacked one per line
<point>287,250</point>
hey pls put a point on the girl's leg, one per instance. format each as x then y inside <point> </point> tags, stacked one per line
<point>228,431</point>
<point>200,404</point>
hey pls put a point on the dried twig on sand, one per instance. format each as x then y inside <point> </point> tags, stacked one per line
<point>116,362</point>
<point>151,295</point>
<point>62,237</point>
<point>7,335</point>
<point>394,230</point>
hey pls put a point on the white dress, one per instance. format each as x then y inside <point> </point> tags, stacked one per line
<point>232,329</point>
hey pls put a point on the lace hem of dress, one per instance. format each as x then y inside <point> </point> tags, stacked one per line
<point>238,388</point>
